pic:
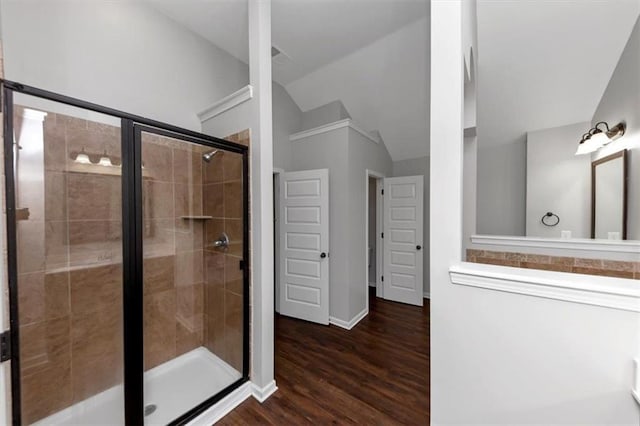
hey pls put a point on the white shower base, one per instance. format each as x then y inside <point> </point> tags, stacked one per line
<point>174,387</point>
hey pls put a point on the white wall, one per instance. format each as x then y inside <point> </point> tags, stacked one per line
<point>414,167</point>
<point>119,54</point>
<point>496,357</point>
<point>558,181</point>
<point>621,102</point>
<point>501,188</point>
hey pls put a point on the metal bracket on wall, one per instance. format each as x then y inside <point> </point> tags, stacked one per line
<point>5,346</point>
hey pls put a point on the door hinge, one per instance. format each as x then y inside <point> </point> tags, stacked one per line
<point>382,235</point>
<point>5,346</point>
<point>382,278</point>
<point>383,192</point>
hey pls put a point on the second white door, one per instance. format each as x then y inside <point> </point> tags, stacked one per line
<point>403,245</point>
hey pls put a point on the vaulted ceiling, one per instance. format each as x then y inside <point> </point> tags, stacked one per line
<point>370,54</point>
<point>543,64</point>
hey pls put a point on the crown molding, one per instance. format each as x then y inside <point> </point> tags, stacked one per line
<point>340,124</point>
<point>226,103</point>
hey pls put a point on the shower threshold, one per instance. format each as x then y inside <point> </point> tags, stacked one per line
<point>173,388</point>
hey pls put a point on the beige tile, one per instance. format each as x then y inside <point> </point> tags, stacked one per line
<point>233,330</point>
<point>96,289</point>
<point>43,296</point>
<point>92,197</point>
<point>55,149</point>
<point>213,171</point>
<point>159,328</point>
<point>213,200</point>
<point>537,258</point>
<point>493,254</point>
<point>562,260</point>
<point>235,231</point>
<point>546,266</point>
<point>157,200</point>
<point>615,265</point>
<point>55,196</point>
<point>475,253</point>
<point>159,236</point>
<point>187,165</point>
<point>96,127</point>
<point>71,123</point>
<point>83,232</point>
<point>588,263</point>
<point>157,160</point>
<point>190,305</point>
<point>188,338</point>
<point>232,164</point>
<point>57,243</point>
<point>214,335</point>
<point>94,143</point>
<point>500,262</point>
<point>602,272</point>
<point>233,200</point>
<point>215,263</point>
<point>189,234</point>
<point>233,274</point>
<point>46,391</point>
<point>213,230</point>
<point>188,200</point>
<point>519,257</point>
<point>44,344</point>
<point>96,350</point>
<point>244,137</point>
<point>214,301</point>
<point>158,274</point>
<point>31,246</point>
<point>189,268</point>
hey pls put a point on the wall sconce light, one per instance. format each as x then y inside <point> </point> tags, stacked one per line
<point>105,160</point>
<point>599,136</point>
<point>82,158</point>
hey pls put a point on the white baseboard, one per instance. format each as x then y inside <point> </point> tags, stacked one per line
<point>427,295</point>
<point>261,394</point>
<point>224,406</point>
<point>348,325</point>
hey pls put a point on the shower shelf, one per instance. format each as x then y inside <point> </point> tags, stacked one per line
<point>196,217</point>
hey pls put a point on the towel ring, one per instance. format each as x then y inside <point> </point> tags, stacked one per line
<point>550,222</point>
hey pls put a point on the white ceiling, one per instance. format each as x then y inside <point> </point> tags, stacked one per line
<point>370,54</point>
<point>544,63</point>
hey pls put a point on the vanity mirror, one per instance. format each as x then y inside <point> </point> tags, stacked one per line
<point>556,148</point>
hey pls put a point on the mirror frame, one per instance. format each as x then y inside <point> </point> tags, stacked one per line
<point>620,154</point>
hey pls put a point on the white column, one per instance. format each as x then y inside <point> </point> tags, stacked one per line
<point>446,179</point>
<point>262,372</point>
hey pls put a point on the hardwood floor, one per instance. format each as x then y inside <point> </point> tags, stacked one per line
<point>376,373</point>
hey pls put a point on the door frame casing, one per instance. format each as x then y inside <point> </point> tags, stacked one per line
<point>277,172</point>
<point>379,177</point>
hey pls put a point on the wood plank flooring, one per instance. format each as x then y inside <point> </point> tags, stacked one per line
<point>375,374</point>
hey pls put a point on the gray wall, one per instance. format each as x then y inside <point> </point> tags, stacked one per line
<point>558,181</point>
<point>414,167</point>
<point>329,151</point>
<point>363,154</point>
<point>621,102</point>
<point>287,119</point>
<point>501,195</point>
<point>120,54</point>
<point>325,114</point>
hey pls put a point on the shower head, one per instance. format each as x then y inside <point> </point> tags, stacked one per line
<point>209,155</point>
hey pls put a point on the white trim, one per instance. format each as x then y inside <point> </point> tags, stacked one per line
<point>348,325</point>
<point>226,103</point>
<point>340,124</point>
<point>426,295</point>
<point>262,394</point>
<point>636,396</point>
<point>608,292</point>
<point>585,244</point>
<point>224,406</point>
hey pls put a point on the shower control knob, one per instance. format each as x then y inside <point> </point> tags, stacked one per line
<point>323,255</point>
<point>418,247</point>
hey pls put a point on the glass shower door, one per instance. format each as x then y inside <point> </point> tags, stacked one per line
<point>68,225</point>
<point>192,198</point>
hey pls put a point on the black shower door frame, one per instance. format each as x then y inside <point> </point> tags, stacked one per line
<point>132,127</point>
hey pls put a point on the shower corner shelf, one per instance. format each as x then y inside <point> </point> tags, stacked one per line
<point>196,217</point>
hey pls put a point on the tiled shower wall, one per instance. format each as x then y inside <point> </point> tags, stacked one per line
<point>70,276</point>
<point>223,303</point>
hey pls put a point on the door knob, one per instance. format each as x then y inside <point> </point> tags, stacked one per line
<point>323,255</point>
<point>418,247</point>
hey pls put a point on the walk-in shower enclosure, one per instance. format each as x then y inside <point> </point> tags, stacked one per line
<point>127,260</point>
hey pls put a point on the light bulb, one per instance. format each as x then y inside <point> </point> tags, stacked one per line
<point>82,158</point>
<point>105,161</point>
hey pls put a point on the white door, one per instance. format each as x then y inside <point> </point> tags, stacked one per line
<point>403,211</point>
<point>304,245</point>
